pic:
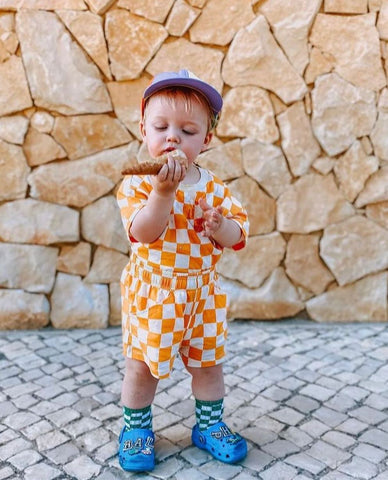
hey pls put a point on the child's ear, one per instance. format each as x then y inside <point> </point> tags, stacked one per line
<point>142,129</point>
<point>207,141</point>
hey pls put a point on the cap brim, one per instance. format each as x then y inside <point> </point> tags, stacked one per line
<point>210,93</point>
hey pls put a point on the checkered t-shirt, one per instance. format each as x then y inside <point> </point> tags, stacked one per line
<point>181,247</point>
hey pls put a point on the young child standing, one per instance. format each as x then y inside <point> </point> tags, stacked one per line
<point>178,222</point>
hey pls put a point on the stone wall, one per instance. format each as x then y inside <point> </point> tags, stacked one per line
<point>302,141</point>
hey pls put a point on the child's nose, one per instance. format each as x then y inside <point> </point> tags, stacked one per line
<point>173,136</point>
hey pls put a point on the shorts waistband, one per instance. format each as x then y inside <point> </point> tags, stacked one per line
<point>167,279</point>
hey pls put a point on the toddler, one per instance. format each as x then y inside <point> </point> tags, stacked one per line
<point>178,222</point>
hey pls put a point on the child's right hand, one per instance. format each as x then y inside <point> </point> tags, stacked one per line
<point>170,175</point>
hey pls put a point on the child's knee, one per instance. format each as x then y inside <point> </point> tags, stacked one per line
<point>214,372</point>
<point>138,370</point>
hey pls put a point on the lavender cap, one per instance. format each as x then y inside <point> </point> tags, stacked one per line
<point>185,78</point>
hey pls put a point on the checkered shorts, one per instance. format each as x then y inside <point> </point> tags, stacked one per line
<point>164,316</point>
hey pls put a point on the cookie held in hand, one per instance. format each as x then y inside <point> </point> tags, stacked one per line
<point>153,167</point>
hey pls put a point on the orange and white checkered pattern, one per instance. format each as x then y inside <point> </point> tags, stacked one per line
<point>164,316</point>
<point>181,246</point>
<point>171,301</point>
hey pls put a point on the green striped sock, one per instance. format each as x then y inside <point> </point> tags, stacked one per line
<point>138,418</point>
<point>208,413</point>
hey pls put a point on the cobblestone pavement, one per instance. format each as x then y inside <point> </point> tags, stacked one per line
<point>311,399</point>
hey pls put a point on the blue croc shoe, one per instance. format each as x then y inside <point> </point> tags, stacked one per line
<point>220,442</point>
<point>136,451</point>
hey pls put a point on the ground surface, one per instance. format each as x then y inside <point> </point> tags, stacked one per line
<point>312,401</point>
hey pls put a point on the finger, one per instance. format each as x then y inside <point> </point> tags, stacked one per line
<point>177,170</point>
<point>183,173</point>
<point>203,204</point>
<point>163,173</point>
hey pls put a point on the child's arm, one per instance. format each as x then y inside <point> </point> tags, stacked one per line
<point>224,231</point>
<point>152,219</point>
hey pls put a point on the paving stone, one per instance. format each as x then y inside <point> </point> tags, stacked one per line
<point>5,472</point>
<point>384,426</point>
<point>368,415</point>
<point>303,404</point>
<point>379,402</point>
<point>259,436</point>
<point>329,417</point>
<point>12,448</point>
<point>37,429</point>
<point>355,392</point>
<point>195,456</point>
<point>109,450</point>
<point>64,416</point>
<point>51,440</point>
<point>63,454</point>
<point>107,412</point>
<point>279,471</point>
<point>24,401</point>
<point>328,454</point>
<point>382,476</point>
<point>90,441</point>
<point>189,473</point>
<point>50,392</point>
<point>277,394</point>
<point>81,426</point>
<point>41,471</point>
<point>286,415</point>
<point>375,437</point>
<point>296,436</point>
<point>304,461</point>
<point>7,408</point>
<point>359,468</point>
<point>82,468</point>
<point>7,435</point>
<point>337,476</point>
<point>330,383</point>
<point>24,459</point>
<point>338,439</point>
<point>115,474</point>
<point>370,453</point>
<point>176,433</point>
<point>9,383</point>
<point>44,408</point>
<point>66,399</point>
<point>352,426</point>
<point>280,448</point>
<point>317,392</point>
<point>341,402</point>
<point>21,389</point>
<point>220,471</point>
<point>165,449</point>
<point>256,460</point>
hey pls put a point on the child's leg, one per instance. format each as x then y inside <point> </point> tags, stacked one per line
<point>136,451</point>
<point>138,391</point>
<point>139,386</point>
<point>207,383</point>
<point>210,432</point>
<point>209,391</point>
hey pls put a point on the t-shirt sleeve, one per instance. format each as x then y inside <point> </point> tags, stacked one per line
<point>131,198</point>
<point>232,209</point>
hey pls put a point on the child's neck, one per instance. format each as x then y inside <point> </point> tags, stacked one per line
<point>193,175</point>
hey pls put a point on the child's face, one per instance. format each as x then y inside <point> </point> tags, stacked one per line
<point>172,123</point>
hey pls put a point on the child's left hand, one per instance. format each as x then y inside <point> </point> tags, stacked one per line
<point>212,218</point>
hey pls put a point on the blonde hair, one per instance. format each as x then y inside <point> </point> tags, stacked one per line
<point>188,95</point>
